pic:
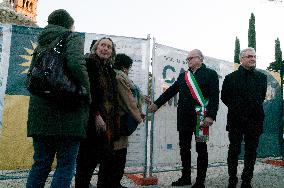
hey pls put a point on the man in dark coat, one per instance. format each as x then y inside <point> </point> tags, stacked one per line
<point>243,92</point>
<point>207,79</point>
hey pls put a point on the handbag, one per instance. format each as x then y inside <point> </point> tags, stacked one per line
<point>127,125</point>
<point>50,78</point>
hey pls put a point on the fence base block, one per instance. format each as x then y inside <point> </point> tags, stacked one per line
<point>275,162</point>
<point>140,180</point>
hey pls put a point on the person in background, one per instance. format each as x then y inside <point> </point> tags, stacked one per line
<point>130,103</point>
<point>103,128</point>
<point>207,80</point>
<point>57,129</point>
<point>243,92</point>
<point>91,46</point>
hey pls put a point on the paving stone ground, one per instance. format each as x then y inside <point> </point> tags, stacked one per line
<point>265,176</point>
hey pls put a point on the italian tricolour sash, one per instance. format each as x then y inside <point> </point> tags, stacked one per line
<point>201,133</point>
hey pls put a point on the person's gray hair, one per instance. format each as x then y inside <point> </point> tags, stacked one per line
<point>199,53</point>
<point>113,54</point>
<point>244,51</point>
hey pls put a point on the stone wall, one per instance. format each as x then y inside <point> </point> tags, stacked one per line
<point>9,16</point>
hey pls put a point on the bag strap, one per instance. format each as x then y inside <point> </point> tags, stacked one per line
<point>60,46</point>
<point>62,41</point>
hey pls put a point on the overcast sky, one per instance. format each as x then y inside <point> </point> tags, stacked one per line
<point>209,25</point>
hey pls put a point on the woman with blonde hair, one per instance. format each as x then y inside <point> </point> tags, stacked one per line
<point>103,128</point>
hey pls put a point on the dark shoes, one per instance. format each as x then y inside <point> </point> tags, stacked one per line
<point>182,181</point>
<point>232,185</point>
<point>198,185</point>
<point>233,182</point>
<point>246,185</point>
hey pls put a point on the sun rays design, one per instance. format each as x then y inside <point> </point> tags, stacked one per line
<point>28,58</point>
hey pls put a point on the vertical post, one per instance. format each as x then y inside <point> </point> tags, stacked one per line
<point>145,179</point>
<point>152,117</point>
<point>282,101</point>
<point>145,170</point>
<point>146,147</point>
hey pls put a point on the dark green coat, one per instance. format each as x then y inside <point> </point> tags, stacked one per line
<point>47,118</point>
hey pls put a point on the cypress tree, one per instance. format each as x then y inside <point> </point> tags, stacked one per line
<point>237,51</point>
<point>251,32</point>
<point>278,52</point>
<point>277,64</point>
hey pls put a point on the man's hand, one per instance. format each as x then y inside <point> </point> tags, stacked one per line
<point>153,108</point>
<point>100,124</point>
<point>208,121</point>
<point>147,99</point>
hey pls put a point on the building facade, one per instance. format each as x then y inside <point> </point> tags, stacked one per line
<point>19,12</point>
<point>26,7</point>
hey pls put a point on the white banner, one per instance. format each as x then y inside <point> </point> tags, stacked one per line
<point>5,41</point>
<point>167,65</point>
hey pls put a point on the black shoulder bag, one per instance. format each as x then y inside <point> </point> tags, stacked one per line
<point>127,124</point>
<point>50,78</point>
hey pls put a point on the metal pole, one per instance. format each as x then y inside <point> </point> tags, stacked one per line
<point>147,122</point>
<point>153,118</point>
<point>282,100</point>
<point>146,147</point>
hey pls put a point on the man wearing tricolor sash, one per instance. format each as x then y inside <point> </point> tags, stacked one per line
<point>198,90</point>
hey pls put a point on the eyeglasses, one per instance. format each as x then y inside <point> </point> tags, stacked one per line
<point>190,58</point>
<point>250,56</point>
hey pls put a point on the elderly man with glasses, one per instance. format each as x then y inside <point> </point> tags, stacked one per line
<point>243,92</point>
<point>205,80</point>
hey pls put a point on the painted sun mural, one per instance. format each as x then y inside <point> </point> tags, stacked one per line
<point>28,58</point>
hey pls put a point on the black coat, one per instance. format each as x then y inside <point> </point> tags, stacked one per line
<point>243,92</point>
<point>104,94</point>
<point>208,82</point>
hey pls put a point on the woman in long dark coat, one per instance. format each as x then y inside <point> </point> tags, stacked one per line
<point>103,126</point>
<point>57,128</point>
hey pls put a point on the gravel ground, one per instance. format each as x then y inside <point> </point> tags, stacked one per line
<point>265,176</point>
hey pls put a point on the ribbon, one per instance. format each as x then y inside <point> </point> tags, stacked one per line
<point>201,133</point>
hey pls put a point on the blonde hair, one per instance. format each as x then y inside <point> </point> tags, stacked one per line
<point>113,54</point>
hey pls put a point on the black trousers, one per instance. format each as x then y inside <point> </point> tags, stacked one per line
<point>94,150</point>
<point>185,138</point>
<point>118,168</point>
<point>251,139</point>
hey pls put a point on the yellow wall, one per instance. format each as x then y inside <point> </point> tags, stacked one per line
<point>16,148</point>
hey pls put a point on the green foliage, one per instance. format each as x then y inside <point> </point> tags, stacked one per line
<point>278,51</point>
<point>251,32</point>
<point>237,51</point>
<point>278,63</point>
